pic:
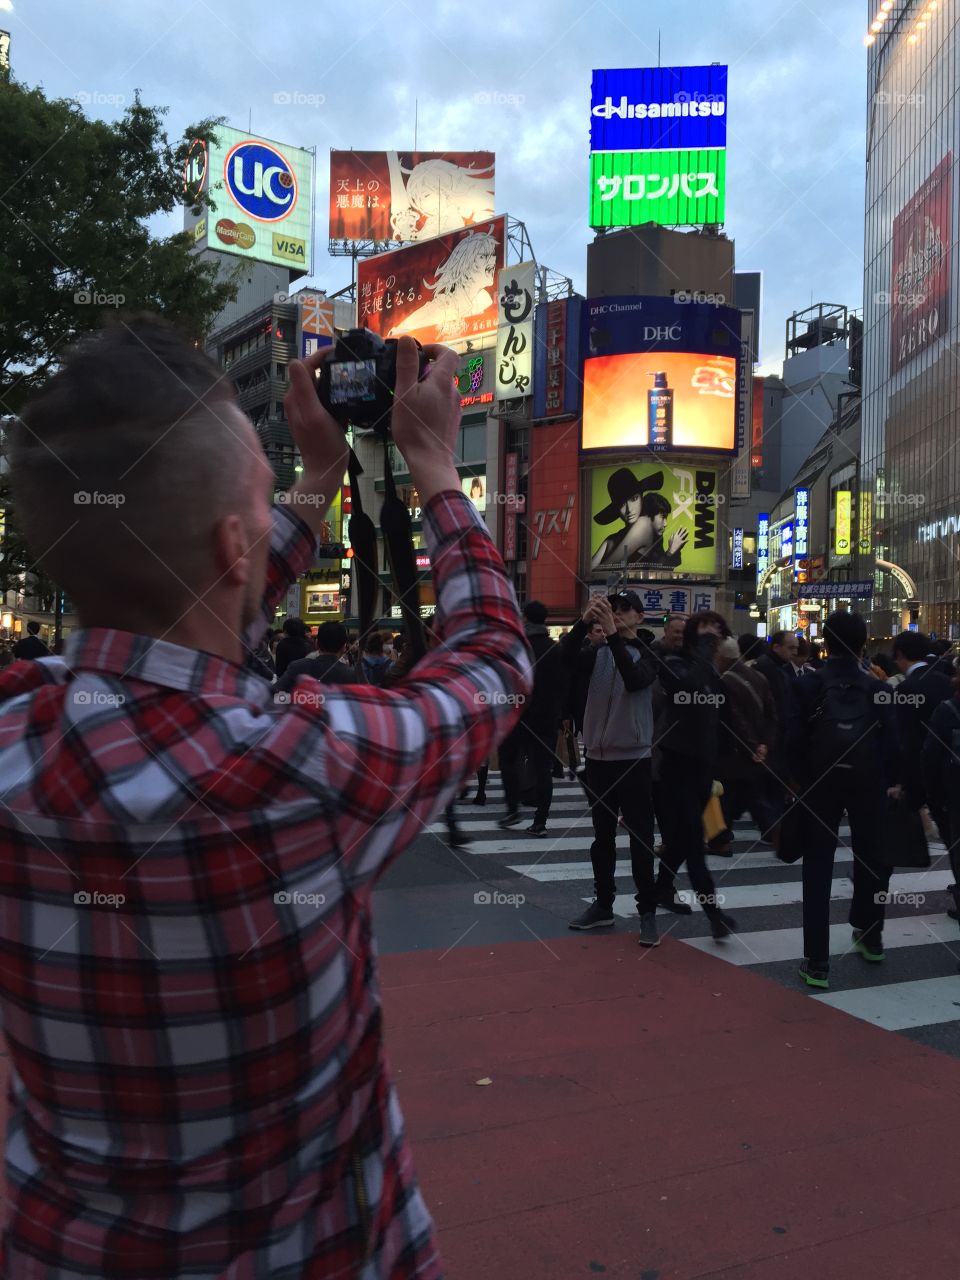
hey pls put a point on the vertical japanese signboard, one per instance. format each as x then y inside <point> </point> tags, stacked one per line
<point>865,538</point>
<point>556,336</point>
<point>737,560</point>
<point>315,314</point>
<point>740,477</point>
<point>516,289</point>
<point>763,546</point>
<point>843,521</point>
<point>801,520</point>
<point>511,475</point>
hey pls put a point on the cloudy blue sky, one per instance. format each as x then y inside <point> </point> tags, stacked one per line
<point>513,78</point>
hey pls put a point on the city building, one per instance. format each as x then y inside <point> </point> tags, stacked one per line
<point>910,459</point>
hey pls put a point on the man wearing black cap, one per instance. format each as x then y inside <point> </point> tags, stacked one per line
<point>618,737</point>
<point>535,736</point>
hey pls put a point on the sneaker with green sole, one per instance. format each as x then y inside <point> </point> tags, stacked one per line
<point>870,948</point>
<point>815,974</point>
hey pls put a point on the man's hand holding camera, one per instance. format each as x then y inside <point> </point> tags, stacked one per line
<point>426,417</point>
<point>321,441</point>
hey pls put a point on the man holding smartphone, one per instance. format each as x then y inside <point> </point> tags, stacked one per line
<point>618,742</point>
<point>189,991</point>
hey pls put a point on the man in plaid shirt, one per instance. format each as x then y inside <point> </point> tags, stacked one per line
<point>188,977</point>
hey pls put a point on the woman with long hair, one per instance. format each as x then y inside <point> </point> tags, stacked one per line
<point>687,759</point>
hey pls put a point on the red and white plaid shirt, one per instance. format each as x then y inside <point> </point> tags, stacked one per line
<point>188,978</point>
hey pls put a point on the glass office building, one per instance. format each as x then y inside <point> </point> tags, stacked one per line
<point>908,505</point>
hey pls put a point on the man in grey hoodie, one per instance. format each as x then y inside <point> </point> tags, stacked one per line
<point>618,737</point>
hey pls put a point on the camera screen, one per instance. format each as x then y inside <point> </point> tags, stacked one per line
<point>352,380</point>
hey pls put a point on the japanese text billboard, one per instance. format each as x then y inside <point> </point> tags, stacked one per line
<point>553,521</point>
<point>315,315</point>
<point>443,290</point>
<point>673,188</point>
<point>556,362</point>
<point>763,545</point>
<point>652,108</point>
<point>651,515</point>
<point>659,376</point>
<point>408,195</point>
<point>920,288</point>
<point>263,197</point>
<point>516,291</point>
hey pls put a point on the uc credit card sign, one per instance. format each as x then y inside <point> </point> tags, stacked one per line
<point>658,108</point>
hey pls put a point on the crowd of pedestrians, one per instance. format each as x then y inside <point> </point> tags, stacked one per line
<point>776,729</point>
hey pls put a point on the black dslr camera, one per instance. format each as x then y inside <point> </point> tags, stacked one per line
<point>356,384</point>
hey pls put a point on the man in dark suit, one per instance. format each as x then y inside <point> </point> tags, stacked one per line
<point>916,698</point>
<point>777,665</point>
<point>31,646</point>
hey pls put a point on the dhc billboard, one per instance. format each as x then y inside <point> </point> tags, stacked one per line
<point>659,108</point>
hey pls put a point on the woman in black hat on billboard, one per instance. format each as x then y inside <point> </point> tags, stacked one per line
<point>644,514</point>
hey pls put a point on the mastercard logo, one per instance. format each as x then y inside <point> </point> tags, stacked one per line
<point>237,234</point>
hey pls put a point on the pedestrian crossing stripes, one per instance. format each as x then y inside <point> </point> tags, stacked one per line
<point>765,896</point>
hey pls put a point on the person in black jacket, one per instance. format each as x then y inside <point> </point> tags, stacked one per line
<point>293,646</point>
<point>31,646</point>
<point>941,780</point>
<point>535,735</point>
<point>687,757</point>
<point>916,698</point>
<point>325,664</point>
<point>842,752</point>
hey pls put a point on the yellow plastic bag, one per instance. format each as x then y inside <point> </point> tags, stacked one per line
<point>714,823</point>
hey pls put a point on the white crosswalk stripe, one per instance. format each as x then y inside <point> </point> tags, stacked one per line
<point>562,859</point>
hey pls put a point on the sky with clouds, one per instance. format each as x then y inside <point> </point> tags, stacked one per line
<point>513,78</point>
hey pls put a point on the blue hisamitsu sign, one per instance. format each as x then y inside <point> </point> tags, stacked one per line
<point>658,108</point>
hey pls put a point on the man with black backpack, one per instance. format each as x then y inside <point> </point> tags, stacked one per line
<point>843,755</point>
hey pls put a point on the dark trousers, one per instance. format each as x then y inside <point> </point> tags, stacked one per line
<point>520,741</point>
<point>666,872</point>
<point>840,790</point>
<point>684,787</point>
<point>751,795</point>
<point>614,787</point>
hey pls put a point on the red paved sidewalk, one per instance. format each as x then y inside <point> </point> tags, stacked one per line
<point>665,1115</point>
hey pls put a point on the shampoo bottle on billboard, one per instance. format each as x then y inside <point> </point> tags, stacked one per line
<point>660,410</point>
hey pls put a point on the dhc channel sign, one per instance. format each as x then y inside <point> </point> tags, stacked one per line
<point>260,181</point>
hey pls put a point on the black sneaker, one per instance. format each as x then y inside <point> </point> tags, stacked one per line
<point>649,937</point>
<point>457,839</point>
<point>538,829</point>
<point>479,798</point>
<point>815,974</point>
<point>595,917</point>
<point>721,926</point>
<point>671,902</point>
<point>511,820</point>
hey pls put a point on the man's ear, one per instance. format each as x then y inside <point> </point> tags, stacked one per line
<point>231,546</point>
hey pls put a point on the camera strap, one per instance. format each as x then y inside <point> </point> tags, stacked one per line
<point>398,534</point>
<point>398,537</point>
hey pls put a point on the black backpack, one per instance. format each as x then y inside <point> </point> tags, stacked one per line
<point>845,727</point>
